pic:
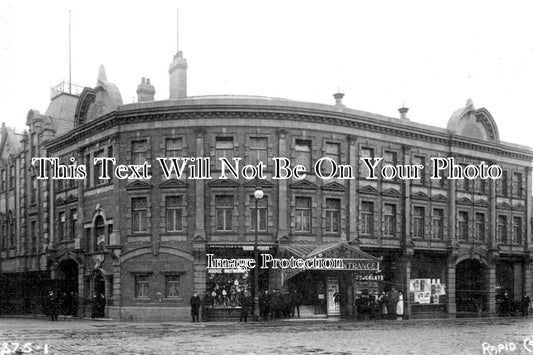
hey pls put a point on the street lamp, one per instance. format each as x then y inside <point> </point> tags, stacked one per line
<point>258,194</point>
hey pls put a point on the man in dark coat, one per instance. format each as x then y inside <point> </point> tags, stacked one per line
<point>53,305</point>
<point>264,305</point>
<point>196,302</point>
<point>296,299</point>
<point>525,305</point>
<point>246,304</point>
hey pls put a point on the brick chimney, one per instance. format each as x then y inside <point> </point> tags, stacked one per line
<point>145,91</point>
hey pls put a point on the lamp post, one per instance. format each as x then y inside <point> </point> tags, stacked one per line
<point>258,194</point>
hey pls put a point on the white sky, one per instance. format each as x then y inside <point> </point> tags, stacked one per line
<point>431,55</point>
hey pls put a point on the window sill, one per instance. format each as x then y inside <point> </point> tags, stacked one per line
<point>142,299</point>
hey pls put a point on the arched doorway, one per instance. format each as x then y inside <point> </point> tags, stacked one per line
<point>470,288</point>
<point>67,287</point>
<point>98,301</point>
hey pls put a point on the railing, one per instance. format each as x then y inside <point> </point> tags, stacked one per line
<point>67,88</point>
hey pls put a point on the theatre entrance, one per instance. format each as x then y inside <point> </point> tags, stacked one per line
<point>471,295</point>
<point>323,293</point>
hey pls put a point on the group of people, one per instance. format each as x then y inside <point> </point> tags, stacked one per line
<point>384,305</point>
<point>276,305</point>
<point>65,303</point>
<point>506,307</point>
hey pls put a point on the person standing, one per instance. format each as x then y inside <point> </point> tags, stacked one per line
<point>53,305</point>
<point>246,303</point>
<point>525,305</point>
<point>296,300</point>
<point>195,302</point>
<point>399,307</point>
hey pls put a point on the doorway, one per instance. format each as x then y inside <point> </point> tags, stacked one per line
<point>471,295</point>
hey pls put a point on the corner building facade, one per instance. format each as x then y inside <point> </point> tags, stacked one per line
<point>135,249</point>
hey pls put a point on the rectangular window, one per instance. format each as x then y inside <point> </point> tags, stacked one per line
<point>223,149</point>
<point>418,222</point>
<point>98,168</point>
<point>517,185</point>
<point>258,217</point>
<point>517,230</point>
<point>73,223</point>
<point>365,153</point>
<point>258,150</point>
<point>33,197</point>
<point>11,230</point>
<point>367,218</point>
<point>480,185</point>
<point>479,234</point>
<point>303,214</point>
<point>172,286</point>
<point>303,153</point>
<point>173,147</point>
<point>174,213</point>
<point>501,184</point>
<point>33,236</point>
<point>389,214</point>
<point>462,225</point>
<point>12,176</point>
<point>139,208</point>
<point>141,286</point>
<point>138,152</point>
<point>333,215</point>
<point>4,180</point>
<point>224,212</point>
<point>333,151</point>
<point>88,165</point>
<point>501,231</point>
<point>61,220</point>
<point>438,223</point>
<point>420,160</point>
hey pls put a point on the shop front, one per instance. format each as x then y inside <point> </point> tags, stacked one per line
<point>226,286</point>
<point>330,291</point>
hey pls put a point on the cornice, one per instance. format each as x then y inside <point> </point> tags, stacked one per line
<point>139,115</point>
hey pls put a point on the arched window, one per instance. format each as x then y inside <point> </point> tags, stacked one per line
<point>99,233</point>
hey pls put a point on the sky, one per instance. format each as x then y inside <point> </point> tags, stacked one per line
<point>429,56</point>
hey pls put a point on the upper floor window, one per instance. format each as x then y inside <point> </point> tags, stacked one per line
<point>99,233</point>
<point>98,168</point>
<point>501,230</point>
<point>258,150</point>
<point>224,212</point>
<point>11,229</point>
<point>438,223</point>
<point>389,214</point>
<point>4,179</point>
<point>501,184</point>
<point>365,152</point>
<point>258,217</point>
<point>333,151</point>
<point>33,231</point>
<point>139,207</point>
<point>420,160</point>
<point>303,214</point>
<point>418,222</point>
<point>174,147</point>
<point>60,225</point>
<point>73,223</point>
<point>462,225</point>
<point>517,230</point>
<point>223,149</point>
<point>12,176</point>
<point>303,153</point>
<point>333,212</point>
<point>517,185</point>
<point>174,213</point>
<point>33,194</point>
<point>139,151</point>
<point>367,218</point>
<point>479,233</point>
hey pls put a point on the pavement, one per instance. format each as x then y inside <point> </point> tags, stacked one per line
<point>299,336</point>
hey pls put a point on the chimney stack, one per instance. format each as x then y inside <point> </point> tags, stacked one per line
<point>178,73</point>
<point>403,113</point>
<point>145,91</point>
<point>338,99</point>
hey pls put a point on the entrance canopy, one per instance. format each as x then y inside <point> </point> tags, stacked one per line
<point>352,258</point>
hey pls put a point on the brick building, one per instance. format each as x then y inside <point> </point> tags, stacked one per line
<point>137,247</point>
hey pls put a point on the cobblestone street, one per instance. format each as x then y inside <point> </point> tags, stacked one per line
<point>285,337</point>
